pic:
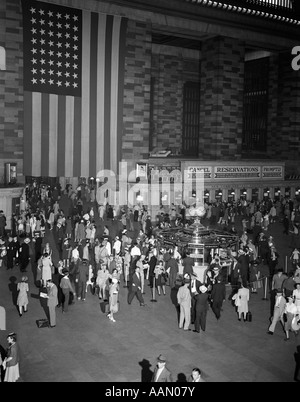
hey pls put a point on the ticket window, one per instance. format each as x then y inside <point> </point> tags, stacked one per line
<point>266,193</point>
<point>255,194</point>
<point>231,195</point>
<point>287,193</point>
<point>243,194</point>
<point>218,195</point>
<point>206,196</point>
<point>277,193</point>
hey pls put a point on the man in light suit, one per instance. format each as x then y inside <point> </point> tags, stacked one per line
<point>136,287</point>
<point>52,302</point>
<point>279,307</point>
<point>161,373</point>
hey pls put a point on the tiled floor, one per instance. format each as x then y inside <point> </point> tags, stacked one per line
<point>85,346</point>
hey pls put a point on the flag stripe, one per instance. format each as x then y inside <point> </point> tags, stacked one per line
<point>61,128</point>
<point>100,92</point>
<point>114,94</point>
<point>122,50</point>
<point>93,95</point>
<point>52,151</point>
<point>27,168</point>
<point>36,133</point>
<point>77,138</point>
<point>75,59</point>
<point>107,96</point>
<point>45,135</point>
<point>69,136</point>
<point>85,106</point>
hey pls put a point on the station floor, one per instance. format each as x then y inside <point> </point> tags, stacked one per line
<point>87,347</point>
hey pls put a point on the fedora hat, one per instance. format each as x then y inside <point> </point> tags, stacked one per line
<point>162,359</point>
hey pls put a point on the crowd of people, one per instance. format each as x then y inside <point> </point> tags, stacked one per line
<point>95,247</point>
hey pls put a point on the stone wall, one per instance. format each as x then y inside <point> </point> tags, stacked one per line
<point>135,144</point>
<point>11,87</point>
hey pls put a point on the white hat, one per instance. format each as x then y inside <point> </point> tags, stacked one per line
<point>203,289</point>
<point>27,240</point>
<point>114,280</point>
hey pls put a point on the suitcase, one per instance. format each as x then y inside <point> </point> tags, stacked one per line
<point>249,316</point>
<point>42,323</point>
<point>104,307</point>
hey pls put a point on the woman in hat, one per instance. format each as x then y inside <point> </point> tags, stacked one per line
<point>160,277</point>
<point>24,254</point>
<point>290,311</point>
<point>22,300</point>
<point>101,280</point>
<point>113,298</point>
<point>241,301</point>
<point>11,362</point>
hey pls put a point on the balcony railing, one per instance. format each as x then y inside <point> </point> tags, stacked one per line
<point>284,10</point>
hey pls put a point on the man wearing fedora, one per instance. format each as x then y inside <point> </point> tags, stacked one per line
<point>161,373</point>
<point>194,289</point>
<point>201,308</point>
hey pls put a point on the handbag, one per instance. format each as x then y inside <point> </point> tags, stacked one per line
<point>284,316</point>
<point>249,316</point>
<point>42,323</point>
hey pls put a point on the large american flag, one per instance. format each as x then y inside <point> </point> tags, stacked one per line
<point>73,90</point>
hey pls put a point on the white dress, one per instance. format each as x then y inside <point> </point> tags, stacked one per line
<point>46,269</point>
<point>23,288</point>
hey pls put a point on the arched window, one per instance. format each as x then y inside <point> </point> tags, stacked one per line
<point>2,58</point>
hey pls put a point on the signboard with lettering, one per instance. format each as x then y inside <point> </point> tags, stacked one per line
<point>272,172</point>
<point>195,172</point>
<point>240,172</point>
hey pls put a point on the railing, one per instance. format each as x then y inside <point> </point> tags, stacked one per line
<point>267,8</point>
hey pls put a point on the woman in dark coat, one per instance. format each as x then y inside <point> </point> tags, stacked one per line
<point>24,254</point>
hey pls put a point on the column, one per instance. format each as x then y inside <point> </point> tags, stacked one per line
<point>249,194</point>
<point>222,86</point>
<point>225,194</point>
<point>260,194</point>
<point>271,193</point>
<point>237,194</point>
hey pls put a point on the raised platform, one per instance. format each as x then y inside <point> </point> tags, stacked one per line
<point>9,200</point>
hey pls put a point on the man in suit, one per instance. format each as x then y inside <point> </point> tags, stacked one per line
<point>136,287</point>
<point>201,308</point>
<point>161,373</point>
<point>218,295</point>
<point>196,376</point>
<point>52,302</point>
<point>194,289</point>
<point>82,275</point>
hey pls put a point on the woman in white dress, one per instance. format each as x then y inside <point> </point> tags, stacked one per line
<point>296,296</point>
<point>241,301</point>
<point>290,312</point>
<point>47,268</point>
<point>113,298</point>
<point>22,300</point>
